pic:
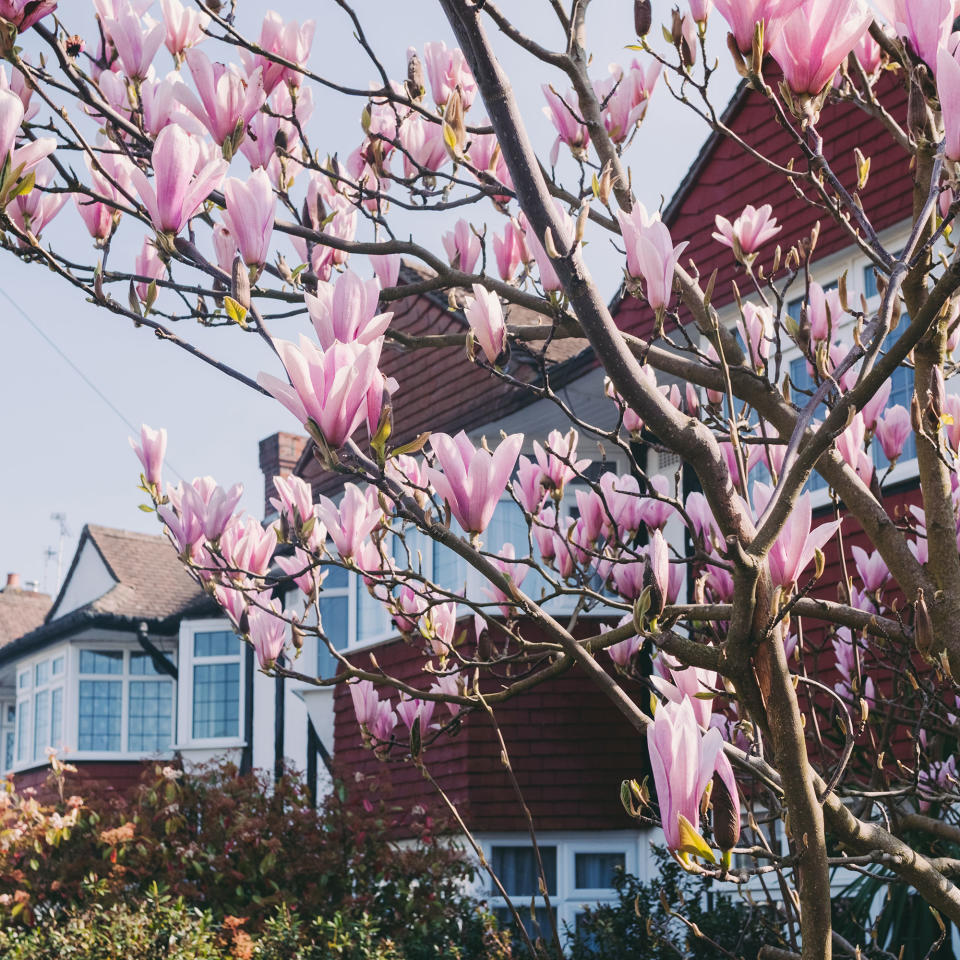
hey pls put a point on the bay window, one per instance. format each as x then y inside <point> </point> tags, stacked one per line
<point>39,709</point>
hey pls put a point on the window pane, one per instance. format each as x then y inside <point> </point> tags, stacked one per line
<point>23,681</point>
<point>56,718</point>
<point>869,282</point>
<point>41,724</point>
<point>42,672</point>
<point>216,700</point>
<point>23,725</point>
<point>216,643</point>
<point>595,871</point>
<point>57,666</point>
<point>517,869</point>
<point>333,615</point>
<point>141,665</point>
<point>538,926</point>
<point>101,661</point>
<point>449,568</point>
<point>11,713</point>
<point>150,716</point>
<point>337,578</point>
<point>801,377</point>
<point>8,750</point>
<point>372,617</point>
<point>101,707</point>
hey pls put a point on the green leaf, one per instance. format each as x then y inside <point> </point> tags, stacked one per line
<point>236,312</point>
<point>146,508</point>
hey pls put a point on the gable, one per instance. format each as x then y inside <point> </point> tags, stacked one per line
<point>89,579</point>
<point>724,179</point>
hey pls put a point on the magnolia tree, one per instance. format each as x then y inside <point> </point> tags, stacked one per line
<point>186,148</point>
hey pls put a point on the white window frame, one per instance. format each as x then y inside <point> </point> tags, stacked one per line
<point>125,677</point>
<point>27,753</point>
<point>188,661</point>
<point>8,729</point>
<point>824,272</point>
<point>568,901</point>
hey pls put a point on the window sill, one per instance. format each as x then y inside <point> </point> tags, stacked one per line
<point>221,743</point>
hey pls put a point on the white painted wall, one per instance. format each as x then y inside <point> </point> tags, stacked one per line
<point>89,581</point>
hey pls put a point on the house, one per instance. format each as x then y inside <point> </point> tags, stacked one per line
<point>568,748</point>
<point>133,663</point>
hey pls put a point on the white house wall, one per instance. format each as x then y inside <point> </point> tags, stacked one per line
<point>89,580</point>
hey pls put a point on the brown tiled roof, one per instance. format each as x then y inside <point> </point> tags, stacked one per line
<point>151,581</point>
<point>20,612</point>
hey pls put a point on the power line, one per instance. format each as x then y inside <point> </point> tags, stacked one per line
<point>66,359</point>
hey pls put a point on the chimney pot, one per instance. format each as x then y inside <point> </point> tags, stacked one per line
<point>13,581</point>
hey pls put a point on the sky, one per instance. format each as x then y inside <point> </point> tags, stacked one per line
<point>76,381</point>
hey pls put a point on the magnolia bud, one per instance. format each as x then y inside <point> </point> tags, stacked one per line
<point>726,820</point>
<point>240,283</point>
<point>738,60</point>
<point>922,627</point>
<point>642,16</point>
<point>415,85</point>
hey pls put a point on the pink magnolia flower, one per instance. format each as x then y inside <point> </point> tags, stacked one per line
<point>447,70</point>
<point>289,40</point>
<point>210,504</point>
<point>626,95</point>
<point>701,516</point>
<point>227,101</point>
<point>893,428</point>
<point>749,232</point>
<point>473,479</point>
<point>528,487</point>
<point>408,709</point>
<point>148,264</point>
<point>700,10</point>
<point>176,194</point>
<point>515,572</point>
<point>850,447</point>
<point>925,24</point>
<point>509,250</point>
<point>816,39</point>
<point>824,311</point>
<point>448,686</point>
<point>249,215</point>
<point>248,547</point>
<point>623,652</point>
<point>744,15</point>
<point>267,634</point>
<point>32,211</point>
<point>408,606</point>
<point>365,699</point>
<point>542,529</point>
<point>753,326</point>
<point>795,547</point>
<point>559,461</point>
<point>593,519</point>
<point>25,13</point>
<point>948,89</point>
<point>485,154</point>
<point>386,266</point>
<point>651,254</point>
<point>952,411</point>
<point>184,26</point>
<point>424,149</point>
<point>97,217</point>
<point>869,54</point>
<point>683,761</point>
<point>346,311</point>
<point>136,46</point>
<point>150,452</point>
<point>351,524</point>
<point>548,275</point>
<point>300,568</point>
<point>876,405</point>
<point>675,682</point>
<point>570,129</point>
<point>328,387</point>
<point>294,500</point>
<point>846,654</point>
<point>462,246</point>
<point>872,568</point>
<point>654,513</point>
<point>484,313</point>
<point>441,625</point>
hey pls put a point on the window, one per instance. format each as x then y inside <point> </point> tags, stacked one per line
<point>578,873</point>
<point>38,715</point>
<point>8,733</point>
<point>123,703</point>
<point>216,684</point>
<point>334,605</point>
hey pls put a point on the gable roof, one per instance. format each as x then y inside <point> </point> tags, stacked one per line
<point>20,612</point>
<point>151,586</point>
<point>724,179</point>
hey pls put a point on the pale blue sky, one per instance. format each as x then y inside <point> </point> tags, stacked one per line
<point>65,448</point>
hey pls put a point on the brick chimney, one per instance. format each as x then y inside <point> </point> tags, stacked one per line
<point>13,582</point>
<point>279,454</point>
